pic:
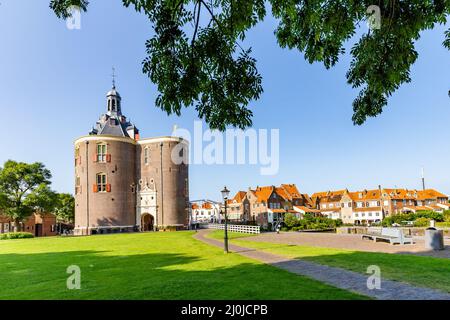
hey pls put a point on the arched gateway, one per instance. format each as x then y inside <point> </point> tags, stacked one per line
<point>147,222</point>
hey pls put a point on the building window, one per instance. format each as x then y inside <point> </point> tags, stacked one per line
<point>101,152</point>
<point>77,156</point>
<point>146,156</point>
<point>77,185</point>
<point>101,182</point>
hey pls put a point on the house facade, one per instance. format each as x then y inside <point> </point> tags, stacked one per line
<point>369,206</point>
<point>267,205</point>
<point>40,225</point>
<point>205,211</point>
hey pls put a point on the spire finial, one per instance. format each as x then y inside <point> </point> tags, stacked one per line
<point>114,77</point>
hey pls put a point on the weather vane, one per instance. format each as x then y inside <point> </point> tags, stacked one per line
<point>114,77</point>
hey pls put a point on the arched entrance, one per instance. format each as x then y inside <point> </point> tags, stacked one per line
<point>147,222</point>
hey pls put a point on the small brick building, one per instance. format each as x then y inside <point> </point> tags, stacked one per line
<point>40,225</point>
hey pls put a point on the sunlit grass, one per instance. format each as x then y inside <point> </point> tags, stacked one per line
<point>145,266</point>
<point>416,270</point>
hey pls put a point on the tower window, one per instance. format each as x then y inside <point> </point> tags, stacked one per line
<point>109,105</point>
<point>77,185</point>
<point>146,156</point>
<point>113,105</point>
<point>77,156</point>
<point>101,182</point>
<point>101,152</point>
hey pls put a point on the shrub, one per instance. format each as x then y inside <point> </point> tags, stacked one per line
<point>430,215</point>
<point>310,222</point>
<point>16,235</point>
<point>422,222</point>
<point>400,218</point>
<point>447,215</point>
<point>290,220</point>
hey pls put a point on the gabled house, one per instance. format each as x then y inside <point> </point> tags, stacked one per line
<point>329,203</point>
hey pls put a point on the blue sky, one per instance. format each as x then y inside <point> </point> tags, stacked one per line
<point>53,83</point>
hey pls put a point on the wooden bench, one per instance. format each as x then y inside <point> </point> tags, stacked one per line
<point>393,235</point>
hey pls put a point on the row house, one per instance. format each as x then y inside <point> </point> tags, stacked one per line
<point>235,207</point>
<point>362,207</point>
<point>266,206</point>
<point>369,206</point>
<point>329,203</point>
<point>205,211</point>
<point>404,200</point>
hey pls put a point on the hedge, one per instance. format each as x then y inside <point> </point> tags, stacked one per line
<point>16,235</point>
<point>310,222</point>
<point>419,217</point>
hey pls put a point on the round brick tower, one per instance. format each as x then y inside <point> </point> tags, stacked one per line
<point>163,176</point>
<point>125,184</point>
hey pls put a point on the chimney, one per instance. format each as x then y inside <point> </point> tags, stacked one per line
<point>423,179</point>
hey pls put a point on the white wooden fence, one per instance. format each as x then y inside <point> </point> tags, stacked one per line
<point>235,228</point>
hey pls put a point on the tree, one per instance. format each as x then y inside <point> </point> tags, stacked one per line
<point>65,208</point>
<point>43,199</point>
<point>196,57</point>
<point>290,220</point>
<point>24,189</point>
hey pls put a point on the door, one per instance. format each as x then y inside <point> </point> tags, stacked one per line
<point>38,230</point>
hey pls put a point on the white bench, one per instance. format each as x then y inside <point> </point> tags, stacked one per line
<point>393,235</point>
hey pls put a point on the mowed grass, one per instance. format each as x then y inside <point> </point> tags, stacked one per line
<point>416,270</point>
<point>145,266</point>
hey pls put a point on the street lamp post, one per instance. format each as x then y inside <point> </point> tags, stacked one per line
<point>225,193</point>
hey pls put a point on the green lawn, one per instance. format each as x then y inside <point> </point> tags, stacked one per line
<point>417,270</point>
<point>145,266</point>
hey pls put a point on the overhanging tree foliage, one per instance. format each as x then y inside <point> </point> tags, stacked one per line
<point>65,208</point>
<point>197,55</point>
<point>24,189</point>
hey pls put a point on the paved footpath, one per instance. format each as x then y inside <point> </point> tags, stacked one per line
<point>337,277</point>
<point>348,241</point>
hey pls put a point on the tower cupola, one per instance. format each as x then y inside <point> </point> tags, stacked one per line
<point>113,122</point>
<point>114,102</point>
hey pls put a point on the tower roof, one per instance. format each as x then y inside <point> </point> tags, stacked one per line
<point>113,92</point>
<point>113,122</point>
